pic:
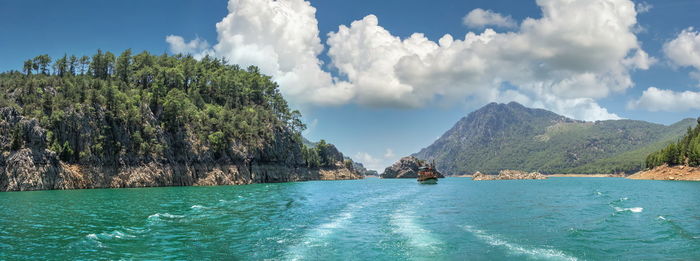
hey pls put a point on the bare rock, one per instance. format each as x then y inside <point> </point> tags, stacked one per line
<point>509,175</point>
<point>405,168</point>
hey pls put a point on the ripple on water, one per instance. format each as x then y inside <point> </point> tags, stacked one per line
<point>516,249</point>
<point>158,216</point>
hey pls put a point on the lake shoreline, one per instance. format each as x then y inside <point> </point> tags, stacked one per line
<point>671,173</point>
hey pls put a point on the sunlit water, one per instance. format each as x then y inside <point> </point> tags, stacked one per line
<point>458,219</point>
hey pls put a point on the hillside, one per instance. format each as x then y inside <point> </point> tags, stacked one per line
<point>511,136</point>
<point>145,120</point>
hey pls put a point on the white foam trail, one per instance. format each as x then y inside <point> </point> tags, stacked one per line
<point>634,210</point>
<point>198,207</point>
<point>318,234</point>
<point>534,252</point>
<point>661,218</point>
<point>160,216</point>
<point>418,237</point>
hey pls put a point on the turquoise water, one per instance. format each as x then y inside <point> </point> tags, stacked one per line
<point>458,219</point>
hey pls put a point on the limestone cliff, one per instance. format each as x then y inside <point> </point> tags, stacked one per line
<point>27,162</point>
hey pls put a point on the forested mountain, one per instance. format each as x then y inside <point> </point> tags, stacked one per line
<point>685,151</point>
<point>511,136</point>
<point>145,120</point>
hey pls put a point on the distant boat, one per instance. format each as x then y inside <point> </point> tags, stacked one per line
<point>427,174</point>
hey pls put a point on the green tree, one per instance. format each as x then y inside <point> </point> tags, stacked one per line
<point>123,67</point>
<point>42,63</point>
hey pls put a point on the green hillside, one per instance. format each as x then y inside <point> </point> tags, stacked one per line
<point>511,136</point>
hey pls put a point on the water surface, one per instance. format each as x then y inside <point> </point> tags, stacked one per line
<point>458,219</point>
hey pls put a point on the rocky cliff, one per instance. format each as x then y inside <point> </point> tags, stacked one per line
<point>27,162</point>
<point>405,168</point>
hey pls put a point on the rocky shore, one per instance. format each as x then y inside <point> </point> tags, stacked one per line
<point>405,168</point>
<point>665,172</point>
<point>508,175</point>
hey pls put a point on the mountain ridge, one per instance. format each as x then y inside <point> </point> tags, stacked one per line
<point>511,136</point>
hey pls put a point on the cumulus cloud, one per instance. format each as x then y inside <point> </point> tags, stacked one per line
<point>577,52</point>
<point>282,39</point>
<point>479,18</point>
<point>684,50</point>
<point>654,99</point>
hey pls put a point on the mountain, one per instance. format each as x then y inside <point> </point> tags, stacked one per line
<point>511,136</point>
<point>144,121</point>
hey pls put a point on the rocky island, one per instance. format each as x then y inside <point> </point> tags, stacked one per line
<point>509,175</point>
<point>147,121</point>
<point>405,168</point>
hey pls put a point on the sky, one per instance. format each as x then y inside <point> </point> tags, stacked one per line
<point>383,79</point>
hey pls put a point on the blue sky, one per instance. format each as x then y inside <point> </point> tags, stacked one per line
<point>377,129</point>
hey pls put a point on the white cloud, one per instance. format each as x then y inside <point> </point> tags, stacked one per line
<point>654,99</point>
<point>643,7</point>
<point>282,39</point>
<point>684,51</point>
<point>577,52</point>
<point>480,18</point>
<point>389,153</point>
<point>197,47</point>
<point>369,161</point>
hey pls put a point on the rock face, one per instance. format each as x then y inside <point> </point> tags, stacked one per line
<point>27,162</point>
<point>405,168</point>
<point>508,175</point>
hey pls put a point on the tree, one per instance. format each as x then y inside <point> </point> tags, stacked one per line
<point>73,65</point>
<point>61,66</point>
<point>84,63</point>
<point>123,67</point>
<point>28,67</point>
<point>177,109</point>
<point>42,63</point>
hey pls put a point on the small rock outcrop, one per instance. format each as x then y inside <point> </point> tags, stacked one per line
<point>508,175</point>
<point>405,168</point>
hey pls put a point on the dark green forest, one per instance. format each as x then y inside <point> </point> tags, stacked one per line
<point>105,105</point>
<point>684,152</point>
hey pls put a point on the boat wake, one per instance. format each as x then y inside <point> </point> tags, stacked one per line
<point>515,249</point>
<point>419,238</point>
<point>317,237</point>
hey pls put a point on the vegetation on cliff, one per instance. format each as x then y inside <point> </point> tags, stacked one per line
<point>686,151</point>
